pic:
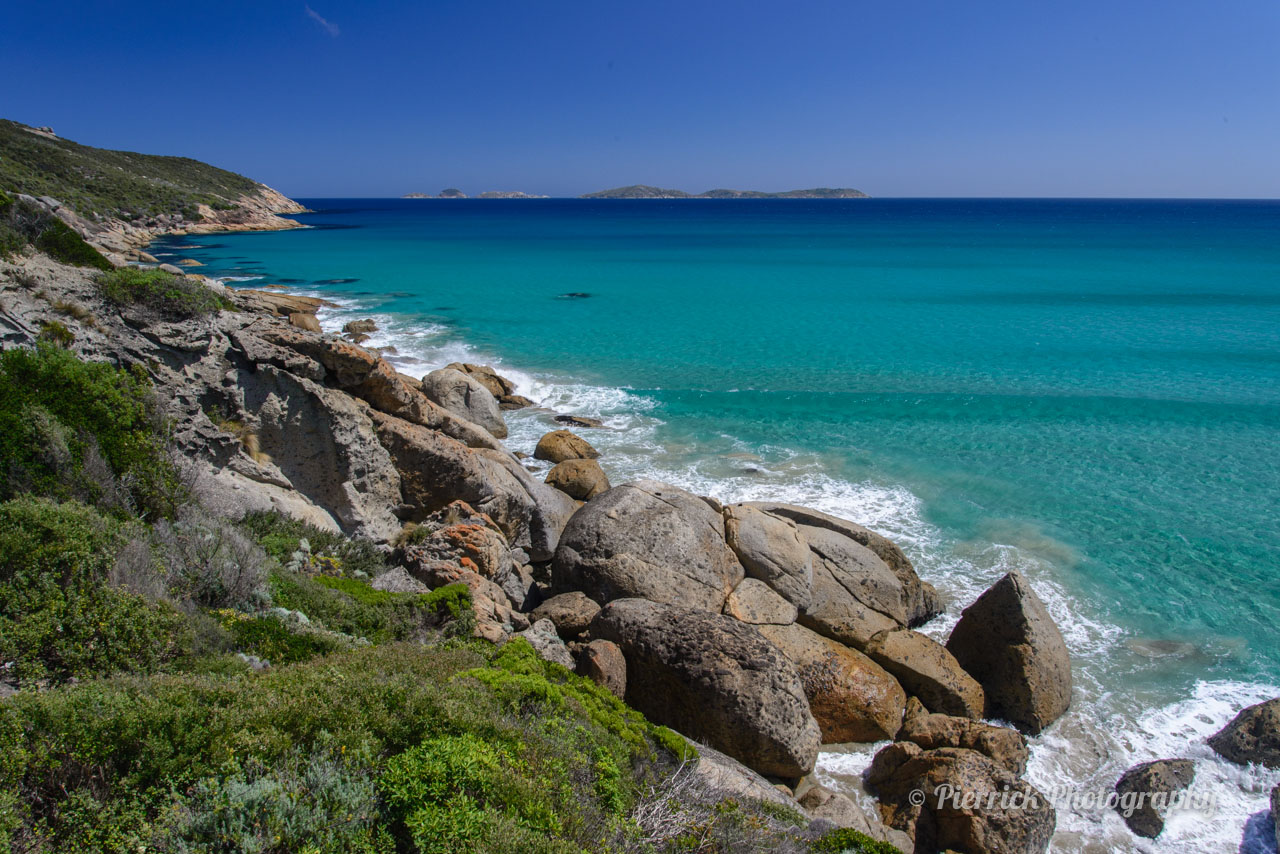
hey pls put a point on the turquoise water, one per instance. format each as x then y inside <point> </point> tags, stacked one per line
<point>1085,390</point>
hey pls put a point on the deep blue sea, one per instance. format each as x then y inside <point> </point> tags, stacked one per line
<point>1088,391</point>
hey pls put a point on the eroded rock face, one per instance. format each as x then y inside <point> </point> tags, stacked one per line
<point>579,479</point>
<point>326,445</point>
<point>715,680</point>
<point>925,668</point>
<point>851,697</point>
<point>497,384</point>
<point>1252,736</point>
<point>1005,746</point>
<point>1005,815</point>
<point>465,397</point>
<point>771,550</point>
<point>1144,791</point>
<point>647,540</point>
<point>560,445</point>
<point>1009,643</point>
<point>753,601</point>
<point>436,470</point>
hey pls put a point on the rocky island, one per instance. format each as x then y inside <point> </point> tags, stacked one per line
<point>643,191</point>
<point>259,582</point>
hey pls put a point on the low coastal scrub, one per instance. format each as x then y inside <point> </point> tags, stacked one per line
<point>23,223</point>
<point>450,748</point>
<point>164,294</point>
<point>80,430</point>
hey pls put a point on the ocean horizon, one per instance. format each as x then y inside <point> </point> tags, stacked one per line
<point>1085,390</point>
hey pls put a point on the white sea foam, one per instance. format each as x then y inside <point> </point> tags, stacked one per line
<point>1108,728</point>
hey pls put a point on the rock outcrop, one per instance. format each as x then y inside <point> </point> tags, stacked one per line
<point>1009,643</point>
<point>851,697</point>
<point>771,550</point>
<point>927,670</point>
<point>466,397</point>
<point>716,680</point>
<point>1253,736</point>
<point>957,799</point>
<point>651,541</point>
<point>1144,792</point>
<point>571,613</point>
<point>603,663</point>
<point>753,601</point>
<point>1003,745</point>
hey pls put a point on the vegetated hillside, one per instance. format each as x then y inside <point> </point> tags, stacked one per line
<point>643,191</point>
<point>116,184</point>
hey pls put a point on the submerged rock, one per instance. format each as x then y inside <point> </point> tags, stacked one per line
<point>1009,643</point>
<point>715,680</point>
<point>1144,791</point>
<point>1253,736</point>
<point>648,540</point>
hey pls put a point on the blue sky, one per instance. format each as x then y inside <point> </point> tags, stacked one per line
<point>909,98</point>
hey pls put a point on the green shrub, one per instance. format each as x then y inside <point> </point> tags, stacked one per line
<point>56,333</point>
<point>11,240</point>
<point>536,774</point>
<point>61,243</point>
<point>270,638</point>
<point>58,616</point>
<point>846,840</point>
<point>84,430</point>
<point>281,536</point>
<point>172,297</point>
<point>325,803</point>
<point>354,608</point>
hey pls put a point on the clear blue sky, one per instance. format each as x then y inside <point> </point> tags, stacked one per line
<point>897,97</point>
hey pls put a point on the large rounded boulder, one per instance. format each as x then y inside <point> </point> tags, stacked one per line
<point>927,670</point>
<point>647,540</point>
<point>716,680</point>
<point>465,397</point>
<point>852,697</point>
<point>560,445</point>
<point>1145,792</point>
<point>771,551</point>
<point>1253,736</point>
<point>1009,643</point>
<point>580,479</point>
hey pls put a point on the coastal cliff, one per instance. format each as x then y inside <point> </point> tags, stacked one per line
<point>246,559</point>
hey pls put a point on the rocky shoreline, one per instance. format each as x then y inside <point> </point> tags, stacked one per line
<point>760,630</point>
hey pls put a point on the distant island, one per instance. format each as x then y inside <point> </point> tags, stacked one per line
<point>643,191</point>
<point>452,193</point>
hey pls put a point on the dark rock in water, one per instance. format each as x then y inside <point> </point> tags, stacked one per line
<point>1009,643</point>
<point>649,540</point>
<point>1275,813</point>
<point>357,326</point>
<point>715,680</point>
<point>1144,793</point>
<point>1253,736</point>
<point>514,401</point>
<point>579,421</point>
<point>574,295</point>
<point>952,798</point>
<point>335,281</point>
